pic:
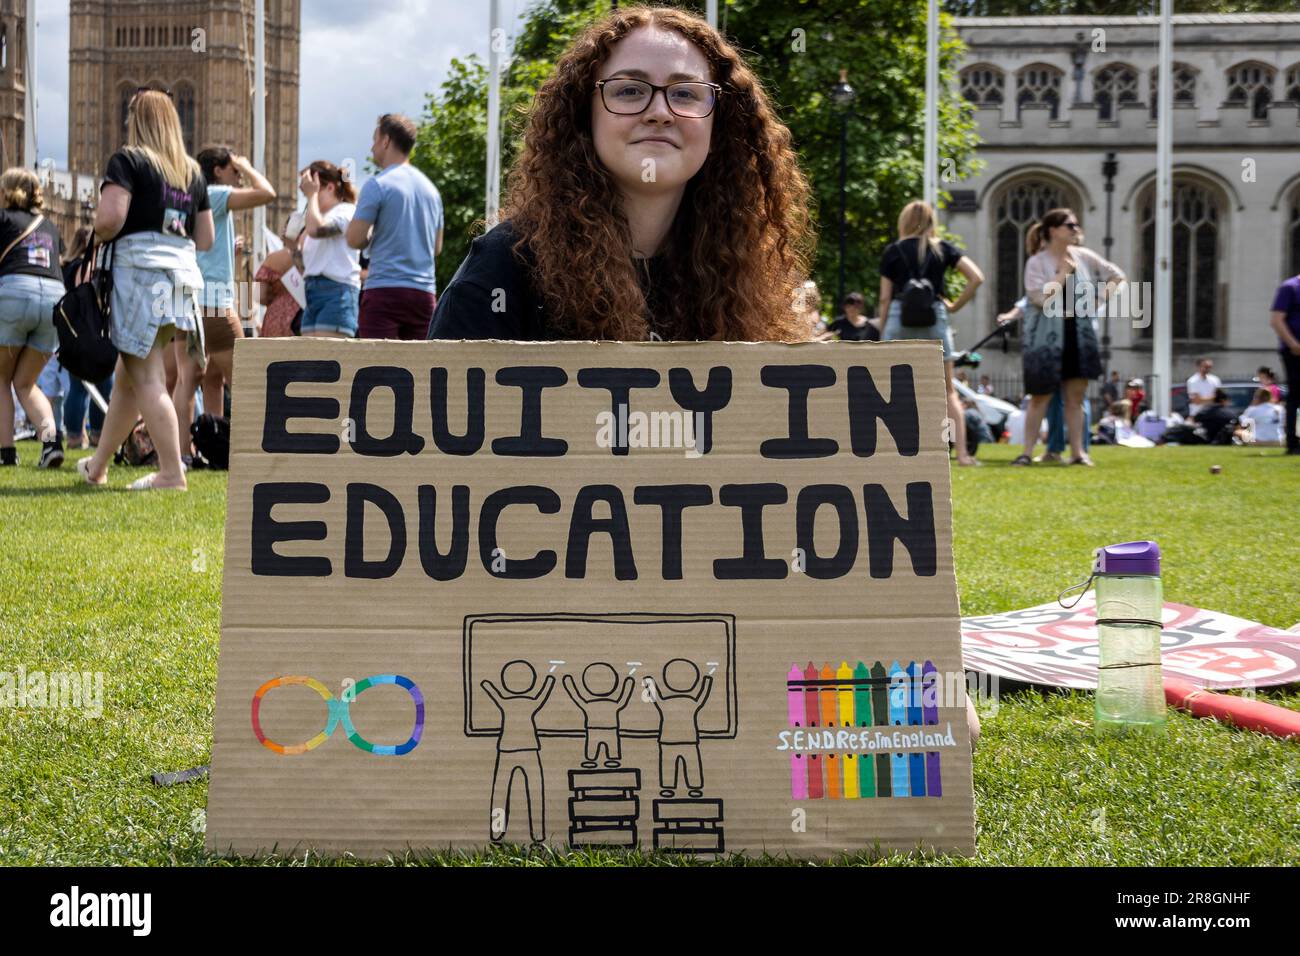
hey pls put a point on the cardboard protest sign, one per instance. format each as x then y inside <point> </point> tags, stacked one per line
<point>1049,644</point>
<point>695,597</point>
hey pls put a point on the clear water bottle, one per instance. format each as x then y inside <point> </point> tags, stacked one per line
<point>1130,692</point>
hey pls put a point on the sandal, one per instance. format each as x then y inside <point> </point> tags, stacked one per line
<point>1023,460</point>
<point>83,469</point>
<point>1083,460</point>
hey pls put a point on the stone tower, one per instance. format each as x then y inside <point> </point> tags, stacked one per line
<point>200,50</point>
<point>13,80</point>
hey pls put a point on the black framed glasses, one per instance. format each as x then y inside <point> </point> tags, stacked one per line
<point>693,99</point>
<point>1072,226</point>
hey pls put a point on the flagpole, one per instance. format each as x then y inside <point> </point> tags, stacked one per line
<point>932,103</point>
<point>29,127</point>
<point>259,133</point>
<point>1162,345</point>
<point>493,210</point>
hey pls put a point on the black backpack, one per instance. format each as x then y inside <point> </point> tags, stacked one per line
<point>211,435</point>
<point>82,318</point>
<point>917,298</point>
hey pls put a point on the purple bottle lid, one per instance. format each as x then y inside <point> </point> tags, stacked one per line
<point>1131,557</point>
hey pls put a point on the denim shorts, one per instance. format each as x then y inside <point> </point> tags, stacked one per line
<point>895,329</point>
<point>27,312</point>
<point>331,307</point>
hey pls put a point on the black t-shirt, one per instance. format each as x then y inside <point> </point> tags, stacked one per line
<point>37,254</point>
<point>848,332</point>
<point>1214,419</point>
<point>491,296</point>
<point>899,263</point>
<point>156,205</point>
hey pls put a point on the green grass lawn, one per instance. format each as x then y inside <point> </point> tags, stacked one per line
<point>130,585</point>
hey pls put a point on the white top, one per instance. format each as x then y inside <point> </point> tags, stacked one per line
<point>1092,274</point>
<point>332,257</point>
<point>1268,421</point>
<point>1200,391</point>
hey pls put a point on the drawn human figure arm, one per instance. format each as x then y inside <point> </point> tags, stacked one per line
<point>548,685</point>
<point>654,690</point>
<point>706,686</point>
<point>571,688</point>
<point>628,685</point>
<point>492,692</point>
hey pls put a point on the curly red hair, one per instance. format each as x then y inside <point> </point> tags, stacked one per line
<point>741,241</point>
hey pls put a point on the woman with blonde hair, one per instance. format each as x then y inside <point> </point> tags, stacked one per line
<point>30,287</point>
<point>713,245</point>
<point>1066,285</point>
<point>153,206</point>
<point>912,272</point>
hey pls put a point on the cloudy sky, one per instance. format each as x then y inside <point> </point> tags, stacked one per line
<point>359,58</point>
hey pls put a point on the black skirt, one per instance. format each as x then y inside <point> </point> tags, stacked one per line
<point>1070,350</point>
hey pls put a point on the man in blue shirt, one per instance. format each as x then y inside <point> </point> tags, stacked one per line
<point>399,215</point>
<point>1285,319</point>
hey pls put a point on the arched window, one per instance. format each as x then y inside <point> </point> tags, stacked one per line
<point>1198,221</point>
<point>1017,207</point>
<point>4,47</point>
<point>983,84</point>
<point>185,110</point>
<point>1184,87</point>
<point>1112,85</point>
<point>1252,84</point>
<point>1039,83</point>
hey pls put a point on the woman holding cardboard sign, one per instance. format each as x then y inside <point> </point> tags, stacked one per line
<point>656,197</point>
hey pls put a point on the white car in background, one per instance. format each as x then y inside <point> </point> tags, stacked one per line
<point>1000,416</point>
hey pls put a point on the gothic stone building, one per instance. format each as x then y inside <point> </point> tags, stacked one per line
<point>1054,96</point>
<point>13,80</point>
<point>203,53</point>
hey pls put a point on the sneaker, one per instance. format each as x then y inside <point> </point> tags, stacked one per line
<point>8,456</point>
<point>51,454</point>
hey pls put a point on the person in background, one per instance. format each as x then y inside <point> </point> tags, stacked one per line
<point>919,253</point>
<point>281,307</point>
<point>985,386</point>
<point>77,404</point>
<point>1067,285</point>
<point>852,325</point>
<point>808,309</point>
<point>1265,419</point>
<point>1215,416</point>
<point>153,205</point>
<point>1136,396</point>
<point>31,285</point>
<point>977,430</point>
<point>399,216</point>
<point>223,171</point>
<point>1201,387</point>
<point>1267,379</point>
<point>1285,320</point>
<point>1110,390</point>
<point>331,267</point>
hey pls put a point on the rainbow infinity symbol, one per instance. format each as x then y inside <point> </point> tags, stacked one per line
<point>338,714</point>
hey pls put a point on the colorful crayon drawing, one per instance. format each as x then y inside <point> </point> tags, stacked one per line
<point>858,696</point>
<point>930,715</point>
